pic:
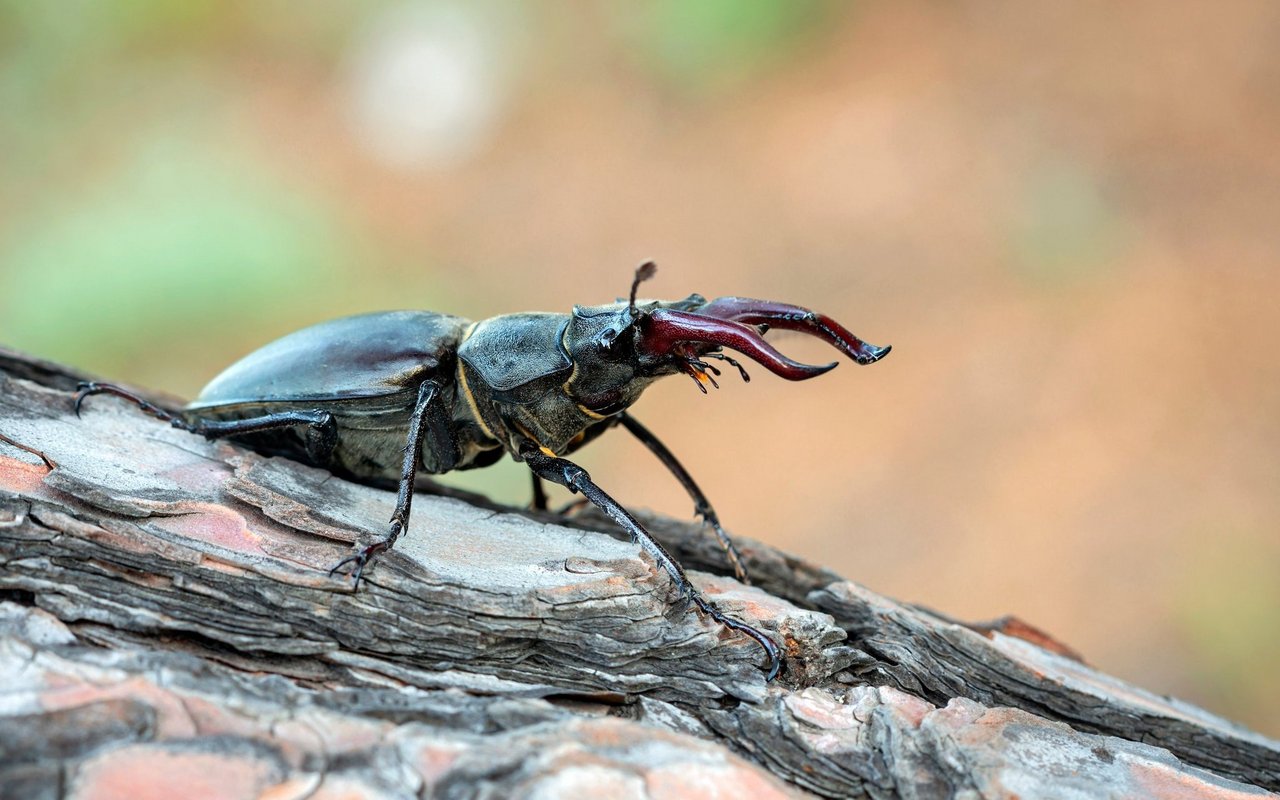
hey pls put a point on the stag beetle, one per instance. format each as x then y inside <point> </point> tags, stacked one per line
<point>348,394</point>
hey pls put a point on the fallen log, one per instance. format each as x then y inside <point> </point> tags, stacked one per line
<point>166,621</point>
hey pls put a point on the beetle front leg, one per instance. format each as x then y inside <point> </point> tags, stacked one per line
<point>701,505</point>
<point>427,416</point>
<point>575,478</point>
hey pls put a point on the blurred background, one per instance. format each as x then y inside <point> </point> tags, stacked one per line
<point>1064,218</point>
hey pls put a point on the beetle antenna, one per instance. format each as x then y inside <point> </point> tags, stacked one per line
<point>643,273</point>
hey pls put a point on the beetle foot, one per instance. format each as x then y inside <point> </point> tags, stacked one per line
<point>360,558</point>
<point>679,603</point>
<point>766,643</point>
<point>83,390</point>
<point>88,388</point>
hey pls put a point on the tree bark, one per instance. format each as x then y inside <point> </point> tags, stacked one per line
<point>167,622</point>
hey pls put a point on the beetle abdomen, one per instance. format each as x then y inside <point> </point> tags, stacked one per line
<point>369,355</point>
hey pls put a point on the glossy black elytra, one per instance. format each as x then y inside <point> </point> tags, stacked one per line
<point>377,397</point>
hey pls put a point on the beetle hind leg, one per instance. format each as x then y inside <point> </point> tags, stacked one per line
<point>320,436</point>
<point>575,478</point>
<point>90,388</point>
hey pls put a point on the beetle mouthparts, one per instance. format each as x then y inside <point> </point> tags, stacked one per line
<point>794,318</point>
<point>875,353</point>
<point>664,328</point>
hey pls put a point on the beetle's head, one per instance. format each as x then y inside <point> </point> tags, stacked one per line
<point>618,349</point>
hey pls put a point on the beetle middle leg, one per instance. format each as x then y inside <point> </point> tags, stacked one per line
<point>575,478</point>
<point>701,506</point>
<point>429,417</point>
<point>540,501</point>
<point>320,436</point>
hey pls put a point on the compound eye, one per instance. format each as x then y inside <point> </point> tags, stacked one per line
<point>611,343</point>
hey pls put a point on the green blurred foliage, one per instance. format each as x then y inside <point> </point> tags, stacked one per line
<point>711,45</point>
<point>141,222</point>
<point>1229,606</point>
<point>1064,230</point>
<point>68,66</point>
<point>89,22</point>
<point>174,237</point>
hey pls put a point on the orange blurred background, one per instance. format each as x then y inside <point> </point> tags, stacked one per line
<point>1064,218</point>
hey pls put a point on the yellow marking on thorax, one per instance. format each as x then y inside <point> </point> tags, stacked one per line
<point>466,390</point>
<point>590,413</point>
<point>572,376</point>
<point>529,435</point>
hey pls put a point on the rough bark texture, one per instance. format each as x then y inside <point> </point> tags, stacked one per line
<point>166,621</point>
